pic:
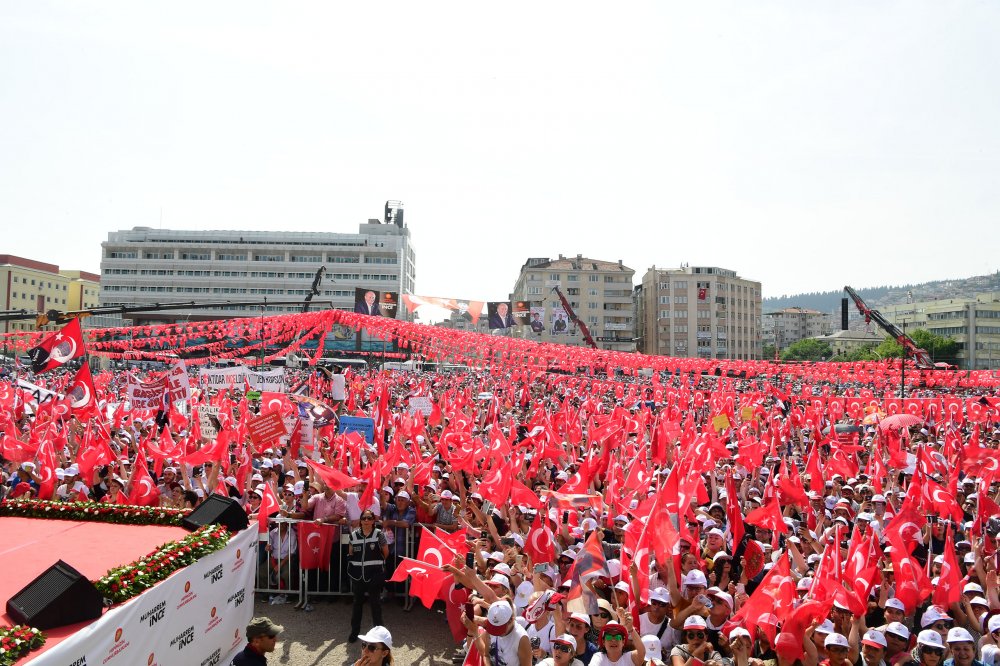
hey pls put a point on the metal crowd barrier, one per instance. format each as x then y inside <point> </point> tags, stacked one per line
<point>286,577</point>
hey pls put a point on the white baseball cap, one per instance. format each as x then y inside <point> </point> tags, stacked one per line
<point>898,629</point>
<point>874,638</point>
<point>895,604</point>
<point>378,635</point>
<point>836,640</point>
<point>930,638</point>
<point>497,618</point>
<point>960,635</point>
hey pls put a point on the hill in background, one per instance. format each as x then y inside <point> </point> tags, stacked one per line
<point>876,297</point>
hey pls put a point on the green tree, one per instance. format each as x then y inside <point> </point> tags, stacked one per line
<point>807,350</point>
<point>865,353</point>
<point>767,353</point>
<point>941,349</point>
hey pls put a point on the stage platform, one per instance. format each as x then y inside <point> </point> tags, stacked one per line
<point>30,546</point>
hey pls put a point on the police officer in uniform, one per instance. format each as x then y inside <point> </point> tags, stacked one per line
<point>367,551</point>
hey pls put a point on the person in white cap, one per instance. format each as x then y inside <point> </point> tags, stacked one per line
<point>563,652</point>
<point>505,641</point>
<point>399,517</point>
<point>695,644</point>
<point>838,650</point>
<point>897,639</point>
<point>873,647</point>
<point>376,648</point>
<point>930,650</point>
<point>990,649</point>
<point>654,650</point>
<point>963,648</point>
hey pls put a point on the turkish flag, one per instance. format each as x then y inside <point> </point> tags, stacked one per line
<point>15,450</point>
<point>144,491</point>
<point>94,451</point>
<point>57,348</point>
<point>768,516</point>
<point>774,596</point>
<point>315,545</point>
<point>425,579</point>
<point>81,396</point>
<point>46,469</point>
<point>733,513</point>
<point>539,544</point>
<point>521,494</point>
<point>433,550</point>
<point>589,563</point>
<point>949,587</point>
<point>495,485</point>
<point>216,450</point>
<point>268,506</point>
<point>334,479</point>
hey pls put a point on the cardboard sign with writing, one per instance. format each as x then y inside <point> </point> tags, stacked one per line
<point>421,404</point>
<point>266,427</point>
<point>208,418</point>
<point>720,422</point>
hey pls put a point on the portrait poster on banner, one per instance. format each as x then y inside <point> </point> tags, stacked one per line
<point>388,304</point>
<point>521,312</point>
<point>537,321</point>
<point>499,315</point>
<point>560,322</point>
<point>366,302</point>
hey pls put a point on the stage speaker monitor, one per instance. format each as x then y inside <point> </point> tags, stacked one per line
<point>217,510</point>
<point>61,595</point>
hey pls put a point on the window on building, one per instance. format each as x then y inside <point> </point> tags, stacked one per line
<point>593,278</point>
<point>681,284</point>
<point>268,257</point>
<point>680,300</point>
<point>573,277</point>
<point>196,256</point>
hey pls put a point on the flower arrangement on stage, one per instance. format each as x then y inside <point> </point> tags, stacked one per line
<point>17,641</point>
<point>123,583</point>
<point>121,514</point>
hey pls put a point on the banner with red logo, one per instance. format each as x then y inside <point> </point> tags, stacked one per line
<point>197,616</point>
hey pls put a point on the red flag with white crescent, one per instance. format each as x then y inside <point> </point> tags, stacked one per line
<point>268,506</point>
<point>143,488</point>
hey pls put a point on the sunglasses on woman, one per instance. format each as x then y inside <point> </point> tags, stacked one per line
<point>613,637</point>
<point>371,646</point>
<point>562,647</point>
<point>367,517</point>
<point>932,650</point>
<point>604,616</point>
<point>695,634</point>
<point>940,626</point>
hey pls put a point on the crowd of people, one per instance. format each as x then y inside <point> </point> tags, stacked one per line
<point>685,519</point>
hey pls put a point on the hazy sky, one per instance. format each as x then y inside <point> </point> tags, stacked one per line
<point>807,145</point>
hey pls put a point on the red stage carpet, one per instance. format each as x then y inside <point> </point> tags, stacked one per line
<point>30,546</point>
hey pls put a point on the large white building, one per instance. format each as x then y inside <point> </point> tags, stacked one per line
<point>142,266</point>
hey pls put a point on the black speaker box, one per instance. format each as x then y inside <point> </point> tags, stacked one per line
<point>217,510</point>
<point>61,595</point>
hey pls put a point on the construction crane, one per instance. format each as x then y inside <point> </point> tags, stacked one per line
<point>919,356</point>
<point>576,320</point>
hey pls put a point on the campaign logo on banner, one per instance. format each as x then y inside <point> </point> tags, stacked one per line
<point>521,312</point>
<point>183,639</point>
<point>214,620</point>
<point>388,303</point>
<point>154,614</point>
<point>188,596</point>
<point>215,574</point>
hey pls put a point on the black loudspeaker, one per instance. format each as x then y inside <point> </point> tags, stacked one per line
<point>843,314</point>
<point>60,596</point>
<point>217,510</point>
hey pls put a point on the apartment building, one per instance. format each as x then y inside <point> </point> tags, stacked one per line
<point>784,327</point>
<point>37,287</point>
<point>698,311</point>
<point>598,291</point>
